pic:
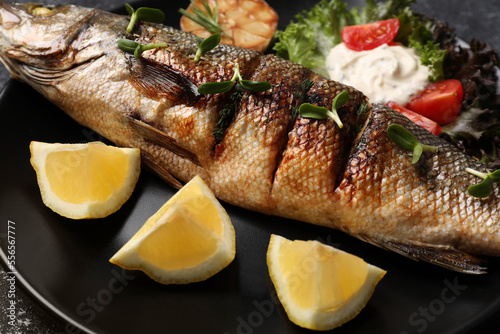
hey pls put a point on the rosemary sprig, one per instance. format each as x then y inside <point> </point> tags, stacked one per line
<point>312,111</point>
<point>484,188</point>
<point>408,142</point>
<point>205,45</point>
<point>227,113</point>
<point>225,86</point>
<point>208,19</point>
<point>145,14</point>
<point>362,110</point>
<point>301,96</point>
<point>137,49</point>
<point>361,113</point>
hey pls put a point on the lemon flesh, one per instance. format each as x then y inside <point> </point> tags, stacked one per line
<point>189,239</point>
<point>319,286</point>
<point>90,180</point>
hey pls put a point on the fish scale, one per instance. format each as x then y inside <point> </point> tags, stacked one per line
<point>179,55</point>
<point>257,135</point>
<point>315,156</point>
<point>352,178</point>
<point>423,203</point>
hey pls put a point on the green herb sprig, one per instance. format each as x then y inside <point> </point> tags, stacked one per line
<point>137,49</point>
<point>208,19</point>
<point>361,113</point>
<point>408,142</point>
<point>226,114</point>
<point>483,189</point>
<point>301,96</point>
<point>205,45</point>
<point>145,14</point>
<point>312,111</point>
<point>225,86</point>
<point>362,110</point>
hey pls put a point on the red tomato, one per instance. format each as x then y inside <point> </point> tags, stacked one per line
<point>424,122</point>
<point>440,101</point>
<point>371,35</point>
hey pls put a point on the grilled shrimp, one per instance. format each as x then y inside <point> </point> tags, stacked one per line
<point>247,23</point>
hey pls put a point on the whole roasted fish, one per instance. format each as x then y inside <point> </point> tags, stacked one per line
<point>352,178</point>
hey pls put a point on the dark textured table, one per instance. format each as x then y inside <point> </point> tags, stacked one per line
<point>479,19</point>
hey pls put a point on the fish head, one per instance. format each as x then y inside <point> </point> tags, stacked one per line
<point>36,37</point>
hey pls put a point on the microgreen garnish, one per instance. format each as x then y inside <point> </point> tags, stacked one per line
<point>205,45</point>
<point>483,189</point>
<point>312,111</point>
<point>137,49</point>
<point>301,96</point>
<point>408,142</point>
<point>225,86</point>
<point>145,14</point>
<point>208,19</point>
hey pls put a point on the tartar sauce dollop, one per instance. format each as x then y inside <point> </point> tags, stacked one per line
<point>386,73</point>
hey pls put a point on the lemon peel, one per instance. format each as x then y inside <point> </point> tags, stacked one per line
<point>82,181</point>
<point>320,287</point>
<point>189,239</point>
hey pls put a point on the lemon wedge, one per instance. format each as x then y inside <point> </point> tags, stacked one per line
<point>189,239</point>
<point>319,286</point>
<point>90,180</point>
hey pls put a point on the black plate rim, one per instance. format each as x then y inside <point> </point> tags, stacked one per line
<point>34,295</point>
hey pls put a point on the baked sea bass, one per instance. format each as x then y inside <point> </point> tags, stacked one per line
<point>349,176</point>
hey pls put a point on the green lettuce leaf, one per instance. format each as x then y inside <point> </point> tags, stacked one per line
<point>430,55</point>
<point>308,40</point>
<point>378,11</point>
<point>297,44</point>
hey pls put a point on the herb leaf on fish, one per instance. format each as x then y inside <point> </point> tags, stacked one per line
<point>145,14</point>
<point>127,45</point>
<point>226,114</point>
<point>205,45</point>
<point>362,110</point>
<point>408,142</point>
<point>483,189</point>
<point>136,48</point>
<point>215,87</point>
<point>208,19</point>
<point>225,86</point>
<point>301,96</point>
<point>361,113</point>
<point>255,86</point>
<point>312,111</point>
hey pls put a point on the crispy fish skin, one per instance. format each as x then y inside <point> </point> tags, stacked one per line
<point>268,161</point>
<point>315,156</point>
<point>387,200</point>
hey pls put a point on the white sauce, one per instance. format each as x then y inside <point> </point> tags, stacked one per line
<point>386,73</point>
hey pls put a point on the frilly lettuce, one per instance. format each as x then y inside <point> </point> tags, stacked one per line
<point>309,40</point>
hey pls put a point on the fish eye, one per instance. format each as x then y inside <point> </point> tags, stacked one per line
<point>37,10</point>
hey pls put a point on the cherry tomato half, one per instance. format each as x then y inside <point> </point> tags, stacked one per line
<point>440,101</point>
<point>424,122</point>
<point>371,35</point>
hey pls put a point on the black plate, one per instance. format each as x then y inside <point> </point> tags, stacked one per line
<point>64,265</point>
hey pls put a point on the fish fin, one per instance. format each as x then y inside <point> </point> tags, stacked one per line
<point>44,76</point>
<point>158,137</point>
<point>160,171</point>
<point>159,81</point>
<point>444,256</point>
